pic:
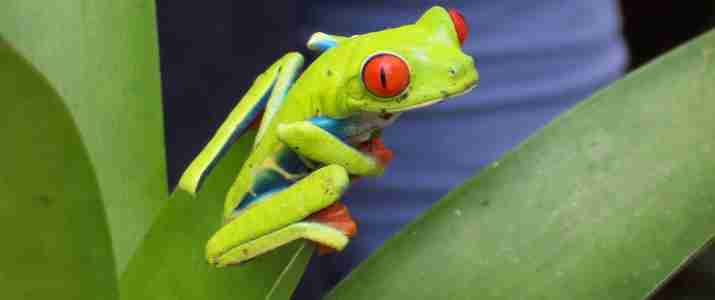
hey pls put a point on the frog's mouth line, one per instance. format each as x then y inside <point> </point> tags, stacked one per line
<point>444,96</point>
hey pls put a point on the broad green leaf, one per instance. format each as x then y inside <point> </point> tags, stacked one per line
<point>171,263</point>
<point>55,238</point>
<point>603,203</point>
<point>101,56</point>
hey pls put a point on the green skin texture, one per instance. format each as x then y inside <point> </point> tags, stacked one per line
<point>330,87</point>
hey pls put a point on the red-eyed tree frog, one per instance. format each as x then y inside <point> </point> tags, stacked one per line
<point>320,129</point>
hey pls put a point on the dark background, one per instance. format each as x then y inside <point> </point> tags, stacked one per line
<point>211,51</point>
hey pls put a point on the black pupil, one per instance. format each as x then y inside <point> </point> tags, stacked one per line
<point>383,79</point>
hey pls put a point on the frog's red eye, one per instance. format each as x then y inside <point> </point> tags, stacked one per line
<point>385,75</point>
<point>460,25</point>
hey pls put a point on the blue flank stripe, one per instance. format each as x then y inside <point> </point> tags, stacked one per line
<point>238,131</point>
<point>289,162</point>
<point>267,182</point>
<point>336,127</point>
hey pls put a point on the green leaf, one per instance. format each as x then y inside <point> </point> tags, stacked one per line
<point>101,56</point>
<point>55,238</point>
<point>171,263</point>
<point>603,203</point>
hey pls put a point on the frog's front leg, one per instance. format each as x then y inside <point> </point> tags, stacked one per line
<point>313,141</point>
<point>278,219</point>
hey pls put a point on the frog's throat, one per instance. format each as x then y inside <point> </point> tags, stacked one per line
<point>443,97</point>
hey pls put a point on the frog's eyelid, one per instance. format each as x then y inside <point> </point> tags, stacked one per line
<point>364,62</point>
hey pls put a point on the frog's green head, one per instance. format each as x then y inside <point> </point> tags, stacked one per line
<point>406,67</point>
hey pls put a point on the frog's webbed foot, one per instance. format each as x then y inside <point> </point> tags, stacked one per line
<point>375,148</point>
<point>280,218</point>
<point>337,216</point>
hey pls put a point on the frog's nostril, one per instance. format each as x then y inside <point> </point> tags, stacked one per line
<point>452,71</point>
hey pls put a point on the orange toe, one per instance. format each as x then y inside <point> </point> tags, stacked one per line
<point>377,149</point>
<point>337,216</point>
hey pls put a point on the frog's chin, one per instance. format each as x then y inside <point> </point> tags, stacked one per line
<point>430,101</point>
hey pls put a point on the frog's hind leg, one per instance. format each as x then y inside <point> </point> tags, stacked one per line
<point>276,220</point>
<point>327,237</point>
